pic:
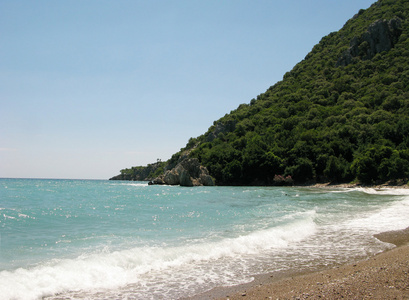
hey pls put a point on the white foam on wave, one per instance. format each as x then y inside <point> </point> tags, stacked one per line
<point>375,191</point>
<point>384,191</point>
<point>111,270</point>
<point>136,184</point>
<point>393,216</point>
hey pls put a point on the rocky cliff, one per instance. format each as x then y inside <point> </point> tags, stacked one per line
<point>187,172</point>
<point>381,36</point>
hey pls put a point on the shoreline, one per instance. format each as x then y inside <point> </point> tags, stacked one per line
<point>358,185</point>
<point>382,276</point>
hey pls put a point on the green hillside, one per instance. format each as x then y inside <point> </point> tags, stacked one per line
<point>340,115</point>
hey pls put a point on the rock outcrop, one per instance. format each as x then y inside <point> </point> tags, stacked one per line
<point>381,36</point>
<point>188,172</point>
<point>221,128</point>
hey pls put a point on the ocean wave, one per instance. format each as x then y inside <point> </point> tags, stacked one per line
<point>169,242</point>
<point>389,217</point>
<point>374,191</point>
<point>135,184</point>
<point>111,270</point>
<point>385,191</point>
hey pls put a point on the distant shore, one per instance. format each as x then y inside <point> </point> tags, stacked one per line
<point>357,185</point>
<point>383,276</point>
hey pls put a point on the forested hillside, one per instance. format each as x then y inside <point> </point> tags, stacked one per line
<point>340,115</point>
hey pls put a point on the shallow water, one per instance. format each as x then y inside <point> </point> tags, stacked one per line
<point>114,239</point>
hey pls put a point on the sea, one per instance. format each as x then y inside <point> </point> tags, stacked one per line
<point>100,239</point>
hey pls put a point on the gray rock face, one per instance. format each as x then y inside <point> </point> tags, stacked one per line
<point>188,172</point>
<point>221,128</point>
<point>171,177</point>
<point>381,36</point>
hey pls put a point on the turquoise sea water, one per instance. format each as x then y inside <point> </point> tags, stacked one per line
<point>84,239</point>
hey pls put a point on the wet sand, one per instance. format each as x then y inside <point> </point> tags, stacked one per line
<point>383,276</point>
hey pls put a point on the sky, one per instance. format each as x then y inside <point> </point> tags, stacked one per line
<point>88,88</point>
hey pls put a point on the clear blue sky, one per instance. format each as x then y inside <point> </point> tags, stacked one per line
<point>91,87</point>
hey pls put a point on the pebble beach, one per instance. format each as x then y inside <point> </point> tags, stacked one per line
<point>383,276</point>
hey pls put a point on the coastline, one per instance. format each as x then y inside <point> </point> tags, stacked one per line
<point>357,185</point>
<point>382,276</point>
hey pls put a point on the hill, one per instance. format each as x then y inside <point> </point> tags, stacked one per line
<point>340,115</point>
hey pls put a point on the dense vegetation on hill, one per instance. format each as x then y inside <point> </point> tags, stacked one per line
<point>341,114</point>
<point>141,173</point>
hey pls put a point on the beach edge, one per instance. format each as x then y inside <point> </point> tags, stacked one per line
<point>382,276</point>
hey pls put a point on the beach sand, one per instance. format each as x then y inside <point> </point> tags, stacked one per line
<point>383,276</point>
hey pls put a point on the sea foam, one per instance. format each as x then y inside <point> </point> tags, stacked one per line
<point>111,270</point>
